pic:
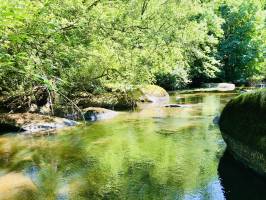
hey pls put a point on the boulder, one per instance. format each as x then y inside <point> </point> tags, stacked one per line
<point>32,123</point>
<point>116,100</point>
<point>33,101</point>
<point>243,127</point>
<point>222,87</point>
<point>15,186</point>
<point>211,87</point>
<point>152,94</point>
<point>96,113</point>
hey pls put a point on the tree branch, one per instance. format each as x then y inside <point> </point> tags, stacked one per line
<point>144,7</point>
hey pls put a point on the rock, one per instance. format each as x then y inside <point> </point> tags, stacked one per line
<point>152,94</point>
<point>41,95</point>
<point>45,109</point>
<point>211,87</point>
<point>89,114</point>
<point>222,87</point>
<point>15,186</point>
<point>33,108</point>
<point>120,100</point>
<point>25,102</point>
<point>177,106</point>
<point>32,123</point>
<point>67,111</point>
<point>111,100</point>
<point>172,106</point>
<point>243,90</point>
<point>243,128</point>
<point>261,85</point>
<point>216,120</point>
<point>96,113</point>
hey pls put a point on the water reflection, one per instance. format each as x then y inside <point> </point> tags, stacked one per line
<point>155,153</point>
<point>239,182</point>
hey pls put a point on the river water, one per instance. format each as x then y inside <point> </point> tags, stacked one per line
<point>152,153</point>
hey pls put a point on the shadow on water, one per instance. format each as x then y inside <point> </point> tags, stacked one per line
<point>239,182</point>
<point>6,128</point>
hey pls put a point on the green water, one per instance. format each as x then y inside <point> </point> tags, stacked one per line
<point>152,153</point>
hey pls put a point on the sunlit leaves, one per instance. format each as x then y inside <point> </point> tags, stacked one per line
<point>243,44</point>
<point>89,44</point>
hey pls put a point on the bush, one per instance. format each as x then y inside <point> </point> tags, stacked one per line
<point>170,81</point>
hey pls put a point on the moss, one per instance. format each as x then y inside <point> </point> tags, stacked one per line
<point>244,119</point>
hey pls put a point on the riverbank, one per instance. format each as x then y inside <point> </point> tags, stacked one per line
<point>42,111</point>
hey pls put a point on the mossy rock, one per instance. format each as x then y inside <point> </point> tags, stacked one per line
<point>109,100</point>
<point>118,99</point>
<point>154,90</point>
<point>150,93</point>
<point>243,126</point>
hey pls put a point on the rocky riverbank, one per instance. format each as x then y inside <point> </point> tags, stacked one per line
<point>35,113</point>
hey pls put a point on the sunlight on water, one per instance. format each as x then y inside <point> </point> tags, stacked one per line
<point>153,153</point>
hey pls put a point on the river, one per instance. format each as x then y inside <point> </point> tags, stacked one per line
<point>151,153</point>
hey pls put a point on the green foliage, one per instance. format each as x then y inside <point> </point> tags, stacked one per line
<point>170,81</point>
<point>76,45</point>
<point>243,46</point>
<point>81,45</point>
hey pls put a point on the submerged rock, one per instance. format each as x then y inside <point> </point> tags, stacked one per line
<point>15,186</point>
<point>243,127</point>
<point>177,106</point>
<point>32,123</point>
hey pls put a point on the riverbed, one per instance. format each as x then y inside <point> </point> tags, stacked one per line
<point>154,152</point>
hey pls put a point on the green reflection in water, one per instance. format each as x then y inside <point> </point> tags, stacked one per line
<point>154,153</point>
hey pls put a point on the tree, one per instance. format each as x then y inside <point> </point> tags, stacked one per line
<point>242,50</point>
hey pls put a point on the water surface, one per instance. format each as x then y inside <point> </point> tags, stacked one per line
<point>152,153</point>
